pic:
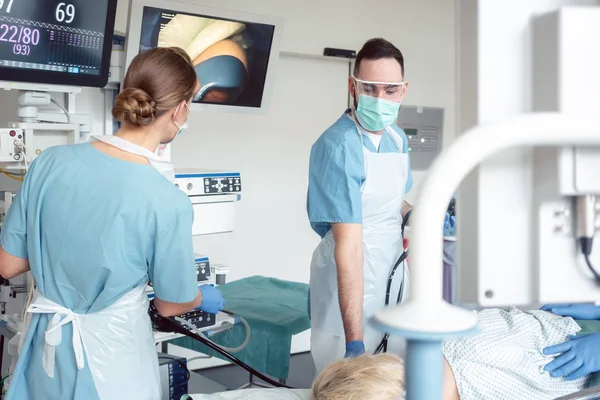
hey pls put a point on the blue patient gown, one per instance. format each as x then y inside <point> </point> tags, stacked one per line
<point>93,228</point>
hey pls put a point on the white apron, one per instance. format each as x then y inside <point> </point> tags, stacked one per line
<point>161,165</point>
<point>382,199</point>
<point>117,342</point>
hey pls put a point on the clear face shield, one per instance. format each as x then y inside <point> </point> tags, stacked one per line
<point>376,104</point>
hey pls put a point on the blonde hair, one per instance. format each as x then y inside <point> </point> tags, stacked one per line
<point>367,377</point>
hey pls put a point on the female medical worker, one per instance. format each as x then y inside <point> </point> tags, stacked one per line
<point>359,172</point>
<point>95,222</point>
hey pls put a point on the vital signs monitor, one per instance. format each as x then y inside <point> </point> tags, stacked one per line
<point>61,42</point>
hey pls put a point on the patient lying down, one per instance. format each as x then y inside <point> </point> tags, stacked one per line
<point>503,361</point>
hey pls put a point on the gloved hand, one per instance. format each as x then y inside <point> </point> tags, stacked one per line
<point>580,356</point>
<point>212,299</point>
<point>450,225</point>
<point>354,349</point>
<point>577,311</point>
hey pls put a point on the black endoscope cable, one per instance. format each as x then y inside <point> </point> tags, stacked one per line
<point>586,208</point>
<point>586,244</point>
<point>168,324</point>
<point>384,342</point>
<point>452,211</point>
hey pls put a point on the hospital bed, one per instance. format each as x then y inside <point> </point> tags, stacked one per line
<point>304,394</point>
<point>590,394</point>
<point>254,394</point>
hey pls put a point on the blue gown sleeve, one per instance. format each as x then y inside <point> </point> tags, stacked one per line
<point>172,269</point>
<point>336,174</point>
<point>13,236</point>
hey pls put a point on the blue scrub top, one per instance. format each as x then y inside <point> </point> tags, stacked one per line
<point>93,227</point>
<point>337,173</point>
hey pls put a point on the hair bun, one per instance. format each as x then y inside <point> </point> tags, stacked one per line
<point>134,107</point>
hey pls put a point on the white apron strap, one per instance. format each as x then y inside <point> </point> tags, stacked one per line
<point>393,134</point>
<point>161,165</point>
<point>395,137</point>
<point>53,337</point>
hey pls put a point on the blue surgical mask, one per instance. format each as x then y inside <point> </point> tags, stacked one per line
<point>185,124</point>
<point>182,127</point>
<point>375,114</point>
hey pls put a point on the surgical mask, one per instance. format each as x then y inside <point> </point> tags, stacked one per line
<point>185,123</point>
<point>375,114</point>
<point>182,127</point>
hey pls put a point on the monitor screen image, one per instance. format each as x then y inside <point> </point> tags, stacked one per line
<point>231,58</point>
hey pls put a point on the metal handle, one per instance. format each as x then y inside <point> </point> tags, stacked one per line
<point>588,394</point>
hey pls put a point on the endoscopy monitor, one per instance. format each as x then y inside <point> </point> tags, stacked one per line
<point>233,54</point>
<point>61,42</point>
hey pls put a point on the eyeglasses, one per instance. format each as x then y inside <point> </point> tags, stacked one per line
<point>392,91</point>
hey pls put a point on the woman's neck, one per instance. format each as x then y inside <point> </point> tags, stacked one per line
<point>143,137</point>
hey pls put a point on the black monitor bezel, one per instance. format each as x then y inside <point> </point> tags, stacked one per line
<point>62,78</point>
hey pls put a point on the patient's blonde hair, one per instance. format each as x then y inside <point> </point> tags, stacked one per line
<point>379,377</point>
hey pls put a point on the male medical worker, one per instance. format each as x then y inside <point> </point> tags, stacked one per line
<point>358,175</point>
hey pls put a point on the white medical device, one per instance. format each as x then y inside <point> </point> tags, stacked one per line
<point>117,60</point>
<point>526,251</point>
<point>12,143</point>
<point>552,215</point>
<point>425,319</point>
<point>39,124</point>
<point>213,195</point>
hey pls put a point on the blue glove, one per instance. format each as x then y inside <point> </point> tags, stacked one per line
<point>212,299</point>
<point>450,225</point>
<point>577,311</point>
<point>580,356</point>
<point>354,349</point>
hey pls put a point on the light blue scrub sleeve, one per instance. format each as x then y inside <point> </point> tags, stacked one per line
<point>13,237</point>
<point>172,269</point>
<point>334,188</point>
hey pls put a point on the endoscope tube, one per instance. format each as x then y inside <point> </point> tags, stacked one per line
<point>178,328</point>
